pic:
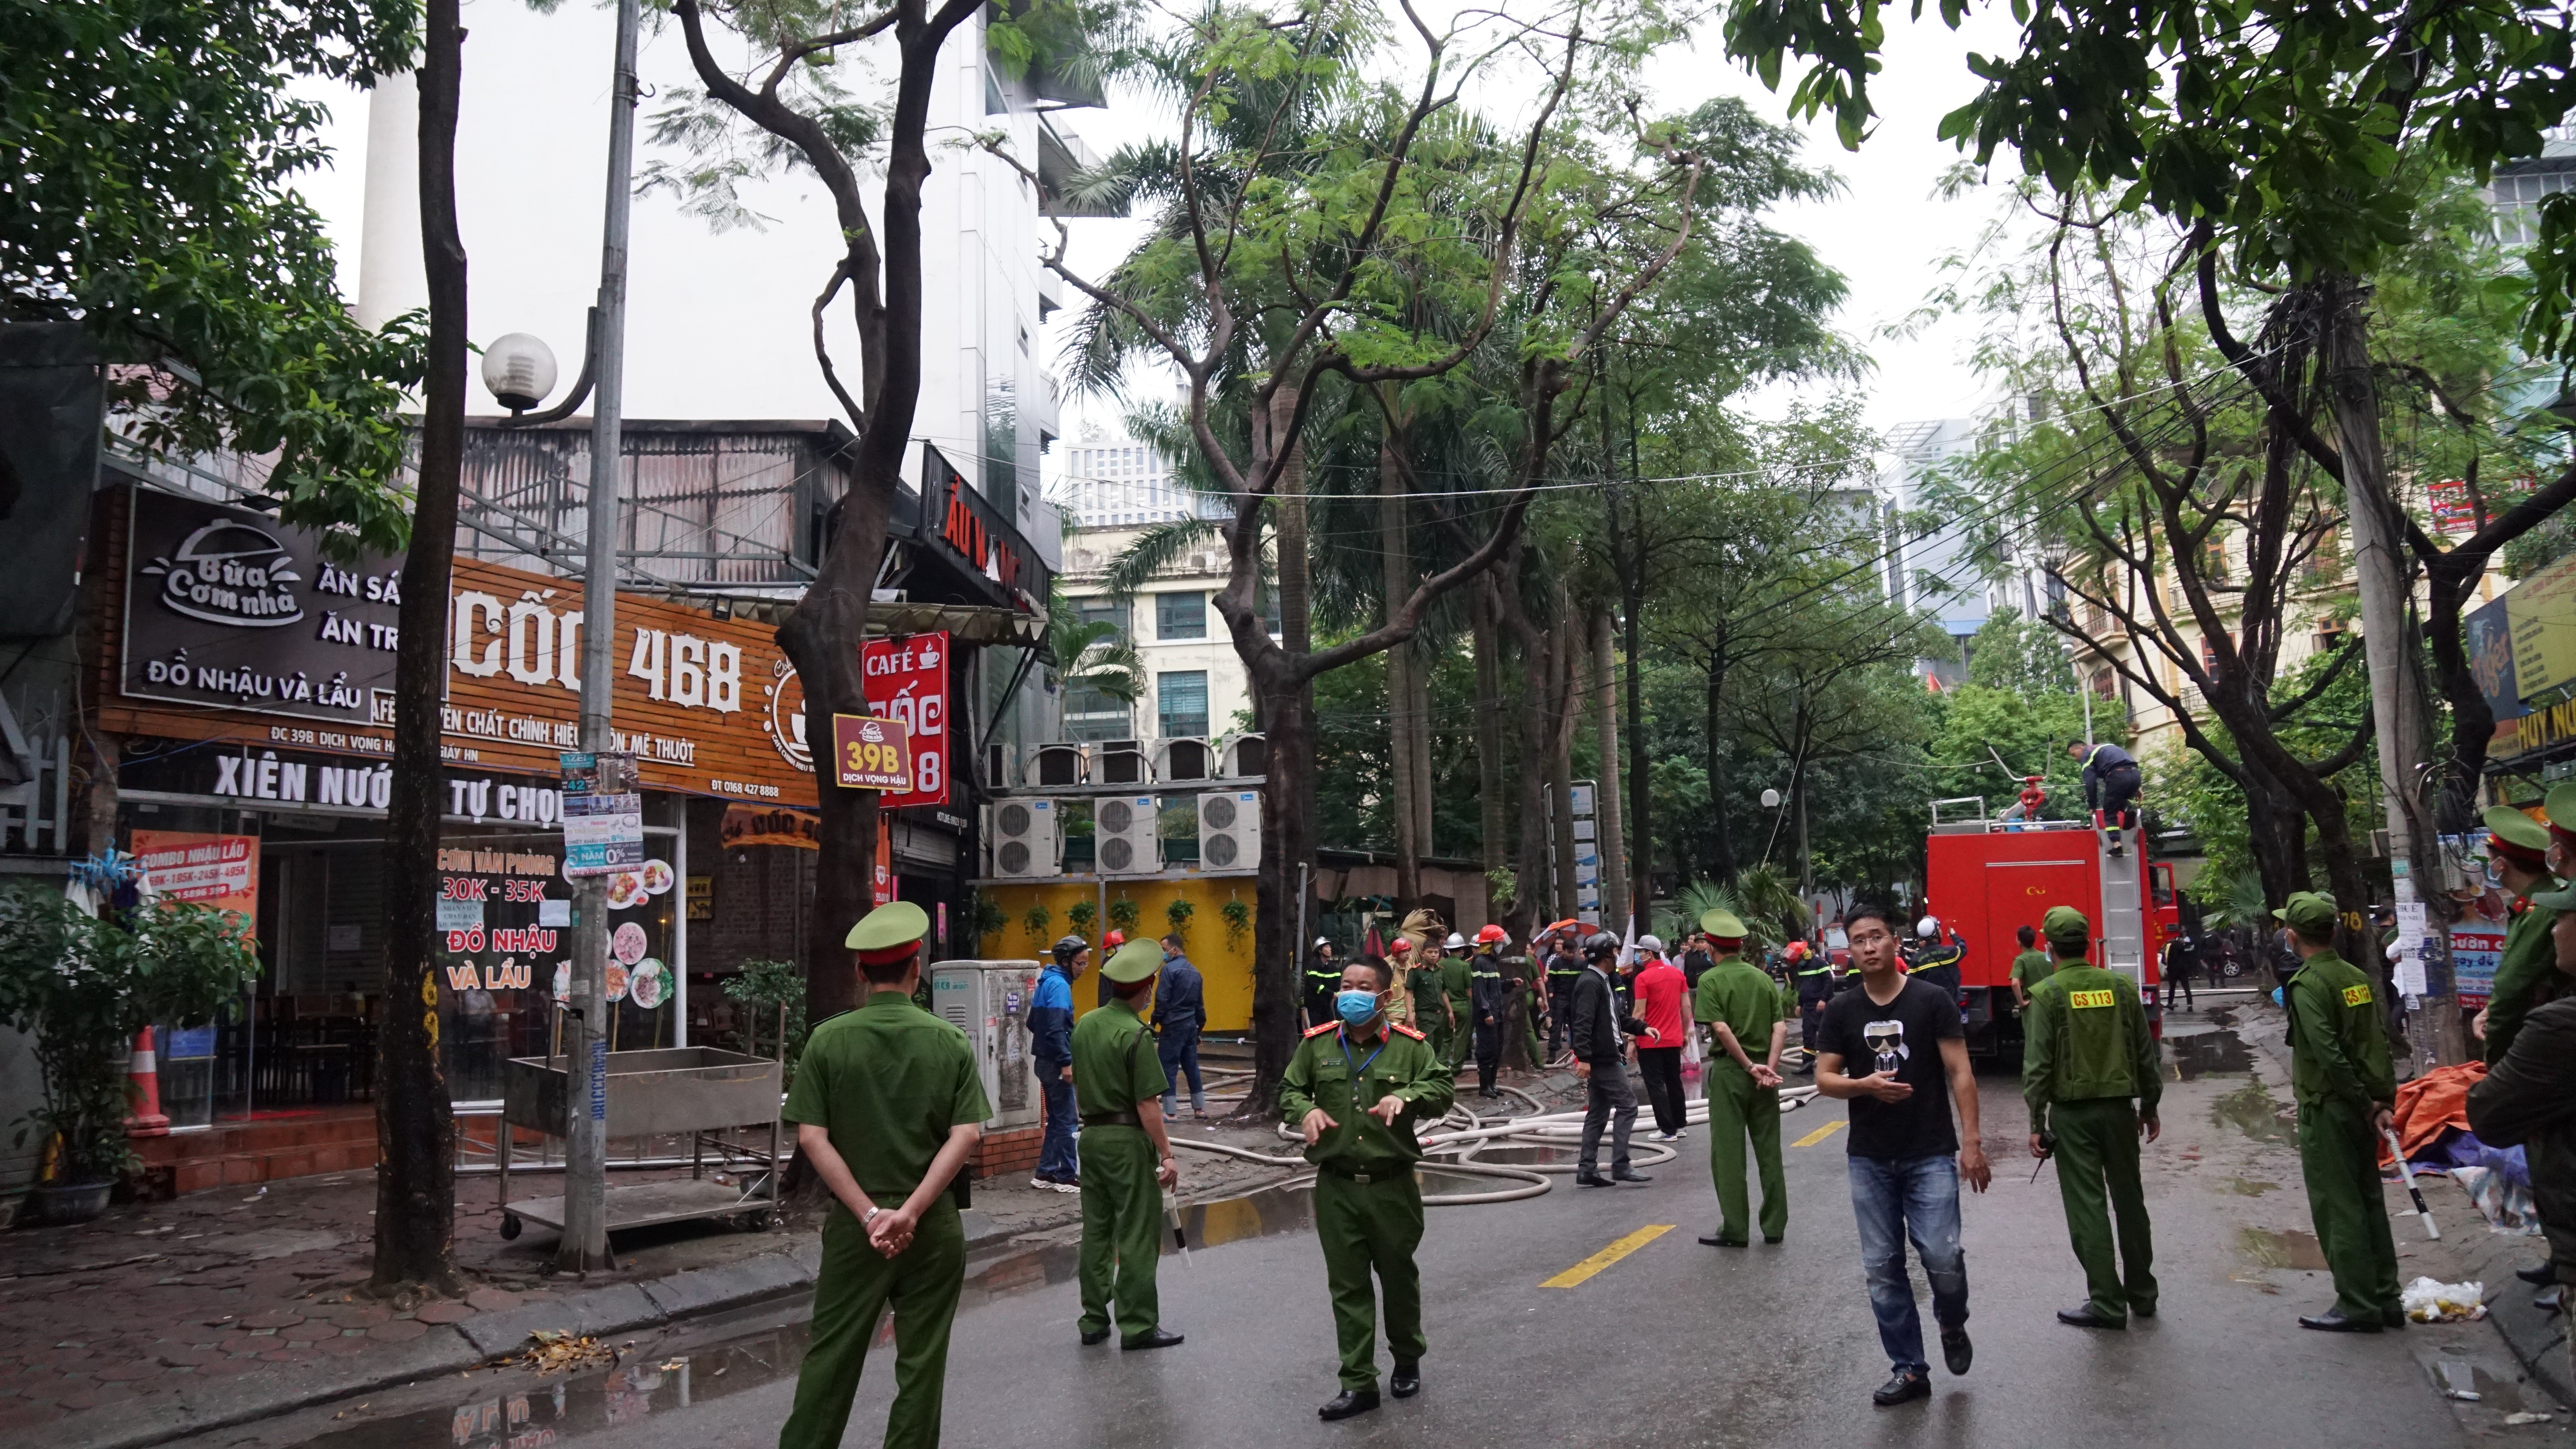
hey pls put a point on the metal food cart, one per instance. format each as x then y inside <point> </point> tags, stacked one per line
<point>700,1091</point>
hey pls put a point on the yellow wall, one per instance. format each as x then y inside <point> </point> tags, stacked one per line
<point>1224,959</point>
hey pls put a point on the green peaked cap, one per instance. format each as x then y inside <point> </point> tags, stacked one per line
<point>1133,962</point>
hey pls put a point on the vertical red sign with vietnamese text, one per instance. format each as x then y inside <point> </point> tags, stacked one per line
<point>907,679</point>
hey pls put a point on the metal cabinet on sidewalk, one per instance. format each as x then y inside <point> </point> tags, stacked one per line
<point>699,1092</point>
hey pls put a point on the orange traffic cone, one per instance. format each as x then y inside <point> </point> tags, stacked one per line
<point>143,1078</point>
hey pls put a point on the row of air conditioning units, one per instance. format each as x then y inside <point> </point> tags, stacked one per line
<point>1027,834</point>
<point>1173,760</point>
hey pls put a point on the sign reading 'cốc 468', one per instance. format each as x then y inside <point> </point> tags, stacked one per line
<point>229,613</point>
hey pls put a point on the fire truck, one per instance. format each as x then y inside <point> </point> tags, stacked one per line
<point>1985,878</point>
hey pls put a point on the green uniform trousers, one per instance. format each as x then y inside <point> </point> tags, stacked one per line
<point>1434,1024</point>
<point>1456,1051</point>
<point>2097,1178</point>
<point>1122,1230</point>
<point>1738,1110</point>
<point>2339,1157</point>
<point>1376,1224</point>
<point>855,1286</point>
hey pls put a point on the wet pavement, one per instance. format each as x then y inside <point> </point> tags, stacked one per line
<point>1672,1344</point>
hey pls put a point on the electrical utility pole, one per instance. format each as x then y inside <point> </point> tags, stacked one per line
<point>2415,863</point>
<point>585,1235</point>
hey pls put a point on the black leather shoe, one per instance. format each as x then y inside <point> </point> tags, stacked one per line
<point>1157,1338</point>
<point>1347,1403</point>
<point>1629,1174</point>
<point>1771,1242</point>
<point>2392,1316</point>
<point>2142,1310</point>
<point>1713,1240</point>
<point>2332,1322</point>
<point>1902,1388</point>
<point>1407,1380</point>
<point>2083,1316</point>
<point>1956,1352</point>
<point>2540,1277</point>
<point>1583,1179</point>
<point>1094,1337</point>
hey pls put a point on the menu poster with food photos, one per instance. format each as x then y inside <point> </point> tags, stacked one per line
<point>643,919</point>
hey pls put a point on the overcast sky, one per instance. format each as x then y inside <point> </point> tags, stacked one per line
<point>535,111</point>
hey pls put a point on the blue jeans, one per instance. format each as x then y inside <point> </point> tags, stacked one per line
<point>1910,1197</point>
<point>1180,1053</point>
<point>1055,1156</point>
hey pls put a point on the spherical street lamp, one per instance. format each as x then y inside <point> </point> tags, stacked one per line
<point>1770,799</point>
<point>519,370</point>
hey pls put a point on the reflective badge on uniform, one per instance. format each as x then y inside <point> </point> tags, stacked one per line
<point>2357,995</point>
<point>2082,999</point>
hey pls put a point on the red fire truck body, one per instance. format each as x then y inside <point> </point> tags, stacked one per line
<point>1985,879</point>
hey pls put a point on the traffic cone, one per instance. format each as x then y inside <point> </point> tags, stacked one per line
<point>143,1078</point>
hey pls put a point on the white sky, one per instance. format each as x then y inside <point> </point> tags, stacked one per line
<point>535,104</point>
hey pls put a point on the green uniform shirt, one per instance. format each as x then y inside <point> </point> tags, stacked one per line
<point>2522,973</point>
<point>2031,968</point>
<point>1398,1063</point>
<point>2086,1037</point>
<point>1741,994</point>
<point>1429,989</point>
<point>2338,1050</point>
<point>887,1081</point>
<point>1115,1063</point>
<point>1457,978</point>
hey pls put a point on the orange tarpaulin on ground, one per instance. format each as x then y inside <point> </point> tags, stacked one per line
<point>2431,1103</point>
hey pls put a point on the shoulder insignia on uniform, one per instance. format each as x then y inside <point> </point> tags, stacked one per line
<point>1320,1030</point>
<point>1408,1031</point>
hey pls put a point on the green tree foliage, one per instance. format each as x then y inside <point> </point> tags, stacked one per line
<point>2019,704</point>
<point>149,151</point>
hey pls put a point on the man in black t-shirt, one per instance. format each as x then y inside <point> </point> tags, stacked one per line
<point>1894,1050</point>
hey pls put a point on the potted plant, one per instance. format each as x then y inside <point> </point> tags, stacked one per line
<point>82,988</point>
<point>1177,913</point>
<point>1238,921</point>
<point>1036,923</point>
<point>1123,915</point>
<point>1082,914</point>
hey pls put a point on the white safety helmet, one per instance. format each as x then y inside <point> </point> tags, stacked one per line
<point>1928,927</point>
<point>1650,943</point>
<point>1455,942</point>
<point>1323,940</point>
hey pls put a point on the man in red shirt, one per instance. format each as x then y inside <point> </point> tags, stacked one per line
<point>1660,988</point>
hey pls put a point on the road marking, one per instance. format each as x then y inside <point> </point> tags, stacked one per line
<point>1583,1271</point>
<point>1821,1133</point>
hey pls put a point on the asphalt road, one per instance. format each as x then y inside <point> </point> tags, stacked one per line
<point>1673,1343</point>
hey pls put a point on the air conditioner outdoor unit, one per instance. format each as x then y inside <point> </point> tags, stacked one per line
<point>1056,765</point>
<point>1025,838</point>
<point>1244,757</point>
<point>1123,762</point>
<point>1127,840</point>
<point>1001,766</point>
<point>1184,757</point>
<point>1230,829</point>
<point>989,1001</point>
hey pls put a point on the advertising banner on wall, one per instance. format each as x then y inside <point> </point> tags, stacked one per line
<point>906,679</point>
<point>221,871</point>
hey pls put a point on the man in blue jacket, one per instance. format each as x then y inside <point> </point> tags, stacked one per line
<point>1180,1014</point>
<point>1051,1043</point>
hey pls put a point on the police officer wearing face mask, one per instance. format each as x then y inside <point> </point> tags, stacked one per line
<point>1354,1091</point>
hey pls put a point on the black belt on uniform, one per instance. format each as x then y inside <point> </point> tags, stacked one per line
<point>1384,1174</point>
<point>1127,1118</point>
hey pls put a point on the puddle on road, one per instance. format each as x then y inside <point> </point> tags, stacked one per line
<point>2208,1053</point>
<point>2248,1187</point>
<point>2250,1110</point>
<point>2277,1249</point>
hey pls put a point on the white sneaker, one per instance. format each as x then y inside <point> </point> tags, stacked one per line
<point>1668,1137</point>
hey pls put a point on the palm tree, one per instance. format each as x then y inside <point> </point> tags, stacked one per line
<point>1093,654</point>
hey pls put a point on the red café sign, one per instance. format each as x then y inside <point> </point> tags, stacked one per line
<point>906,680</point>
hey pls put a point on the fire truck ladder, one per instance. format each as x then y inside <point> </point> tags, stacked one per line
<point>2124,923</point>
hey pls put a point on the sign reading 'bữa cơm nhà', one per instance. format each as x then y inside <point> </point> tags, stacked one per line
<point>227,625</point>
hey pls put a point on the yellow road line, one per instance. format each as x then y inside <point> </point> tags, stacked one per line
<point>1821,1133</point>
<point>1584,1270</point>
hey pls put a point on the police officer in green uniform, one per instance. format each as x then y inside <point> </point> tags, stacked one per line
<point>887,1106</point>
<point>1458,983</point>
<point>1430,996</point>
<point>2086,1056</point>
<point>1738,1006</point>
<point>2029,968</point>
<point>2340,1075</point>
<point>1118,1087</point>
<point>2518,859</point>
<point>1354,1091</point>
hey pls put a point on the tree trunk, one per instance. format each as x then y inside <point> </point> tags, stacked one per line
<point>1533,892</point>
<point>1489,724</point>
<point>1566,660</point>
<point>1640,877</point>
<point>1403,695</point>
<point>1612,841</point>
<point>415,1122</point>
<point>1721,856</point>
<point>1287,840</point>
<point>1296,598</point>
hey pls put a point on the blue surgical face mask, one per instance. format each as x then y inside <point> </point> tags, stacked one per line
<point>1355,1007</point>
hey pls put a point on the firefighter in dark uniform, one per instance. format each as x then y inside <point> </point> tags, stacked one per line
<point>1354,1091</point>
<point>887,1106</point>
<point>1323,978</point>
<point>1488,1006</point>
<point>1937,956</point>
<point>1813,976</point>
<point>2345,1088</point>
<point>2110,782</point>
<point>1556,953</point>
<point>2086,1058</point>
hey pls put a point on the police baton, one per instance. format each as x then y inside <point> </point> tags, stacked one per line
<point>2047,1150</point>
<point>2406,1170</point>
<point>1172,1217</point>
